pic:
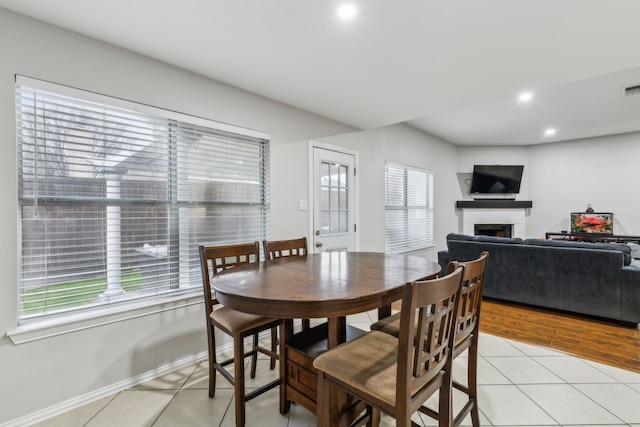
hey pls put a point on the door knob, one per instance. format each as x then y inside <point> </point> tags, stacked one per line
<point>318,244</point>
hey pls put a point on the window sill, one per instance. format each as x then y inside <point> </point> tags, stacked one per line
<point>78,322</point>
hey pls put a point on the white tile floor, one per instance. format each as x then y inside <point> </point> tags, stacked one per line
<point>520,385</point>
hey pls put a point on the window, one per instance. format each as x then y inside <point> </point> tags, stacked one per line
<point>115,197</point>
<point>408,208</point>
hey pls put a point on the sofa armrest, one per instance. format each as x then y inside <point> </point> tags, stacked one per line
<point>443,260</point>
<point>630,293</point>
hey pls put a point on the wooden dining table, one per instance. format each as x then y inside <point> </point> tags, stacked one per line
<point>327,285</point>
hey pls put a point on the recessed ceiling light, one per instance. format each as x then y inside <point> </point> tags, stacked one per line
<point>550,132</point>
<point>525,97</point>
<point>347,11</point>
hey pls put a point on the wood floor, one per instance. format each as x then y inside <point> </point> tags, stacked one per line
<point>595,340</point>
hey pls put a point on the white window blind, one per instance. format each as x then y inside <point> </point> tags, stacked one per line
<point>408,208</point>
<point>114,201</point>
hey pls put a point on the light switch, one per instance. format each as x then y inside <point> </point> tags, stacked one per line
<point>303,205</point>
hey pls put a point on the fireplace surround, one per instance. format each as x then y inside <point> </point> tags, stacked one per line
<point>492,217</point>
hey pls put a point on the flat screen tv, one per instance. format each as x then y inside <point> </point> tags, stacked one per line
<point>496,180</point>
<point>592,222</point>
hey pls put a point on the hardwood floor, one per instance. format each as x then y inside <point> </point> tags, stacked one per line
<point>595,340</point>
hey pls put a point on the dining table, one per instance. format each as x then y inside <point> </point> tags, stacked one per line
<point>325,285</point>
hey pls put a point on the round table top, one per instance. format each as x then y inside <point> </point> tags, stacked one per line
<point>327,284</point>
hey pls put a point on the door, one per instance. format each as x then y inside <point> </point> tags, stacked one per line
<point>333,200</point>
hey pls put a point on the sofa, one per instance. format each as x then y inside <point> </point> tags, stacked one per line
<point>594,279</point>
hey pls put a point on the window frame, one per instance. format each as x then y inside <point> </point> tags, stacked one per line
<point>405,239</point>
<point>180,296</point>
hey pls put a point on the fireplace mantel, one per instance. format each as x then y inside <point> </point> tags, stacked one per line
<point>494,204</point>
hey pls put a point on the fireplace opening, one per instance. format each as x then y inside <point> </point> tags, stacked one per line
<point>497,230</point>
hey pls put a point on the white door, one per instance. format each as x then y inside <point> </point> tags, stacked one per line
<point>333,201</point>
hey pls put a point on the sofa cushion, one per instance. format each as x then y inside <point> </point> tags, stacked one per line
<point>626,250</point>
<point>490,239</point>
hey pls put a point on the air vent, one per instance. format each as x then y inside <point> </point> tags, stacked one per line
<point>632,90</point>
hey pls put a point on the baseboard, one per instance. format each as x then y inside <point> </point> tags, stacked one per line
<point>78,401</point>
<point>92,396</point>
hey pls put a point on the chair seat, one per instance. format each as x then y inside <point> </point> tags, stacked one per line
<point>235,322</point>
<point>389,325</point>
<point>367,363</point>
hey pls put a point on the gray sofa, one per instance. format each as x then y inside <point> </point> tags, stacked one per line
<point>596,279</point>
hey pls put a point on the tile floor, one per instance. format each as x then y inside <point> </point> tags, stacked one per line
<point>520,385</point>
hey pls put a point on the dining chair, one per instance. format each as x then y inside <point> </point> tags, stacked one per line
<point>287,248</point>
<point>466,337</point>
<point>216,260</point>
<point>396,375</point>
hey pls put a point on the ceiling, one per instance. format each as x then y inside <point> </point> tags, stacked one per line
<point>452,68</point>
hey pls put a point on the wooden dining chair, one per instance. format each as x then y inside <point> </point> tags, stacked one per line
<point>287,248</point>
<point>396,375</point>
<point>467,330</point>
<point>215,260</point>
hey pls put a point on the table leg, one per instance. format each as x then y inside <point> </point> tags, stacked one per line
<point>337,334</point>
<point>337,331</point>
<point>286,332</point>
<point>384,311</point>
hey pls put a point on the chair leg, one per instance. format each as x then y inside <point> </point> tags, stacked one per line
<point>254,356</point>
<point>306,324</point>
<point>211,338</point>
<point>472,381</point>
<point>403,421</point>
<point>274,346</point>
<point>238,354</point>
<point>445,402</point>
<point>374,417</point>
<point>324,402</point>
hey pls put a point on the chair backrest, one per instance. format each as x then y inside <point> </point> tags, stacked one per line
<point>284,248</point>
<point>428,313</point>
<point>215,259</point>
<point>470,295</point>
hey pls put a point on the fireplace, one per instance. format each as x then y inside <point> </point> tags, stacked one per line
<point>497,230</point>
<point>494,217</point>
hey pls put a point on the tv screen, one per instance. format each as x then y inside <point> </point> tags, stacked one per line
<point>592,222</point>
<point>496,179</point>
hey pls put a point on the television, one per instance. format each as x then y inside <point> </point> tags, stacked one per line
<point>592,222</point>
<point>496,180</point>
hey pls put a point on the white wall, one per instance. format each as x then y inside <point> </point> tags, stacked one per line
<point>603,172</point>
<point>43,373</point>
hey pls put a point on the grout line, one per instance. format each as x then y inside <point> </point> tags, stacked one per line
<point>103,408</point>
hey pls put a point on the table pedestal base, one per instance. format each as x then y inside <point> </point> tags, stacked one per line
<point>301,378</point>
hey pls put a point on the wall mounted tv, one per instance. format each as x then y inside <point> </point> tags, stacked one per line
<point>496,181</point>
